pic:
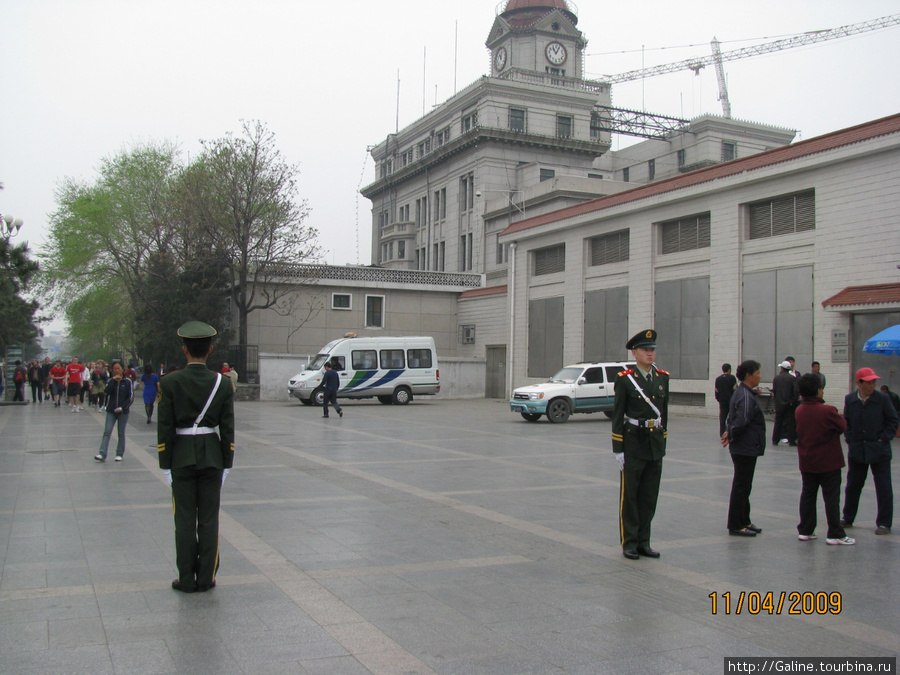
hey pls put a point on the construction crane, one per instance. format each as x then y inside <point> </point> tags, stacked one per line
<point>718,57</point>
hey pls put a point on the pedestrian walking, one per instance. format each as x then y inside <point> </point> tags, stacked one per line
<point>119,395</point>
<point>151,389</point>
<point>331,382</point>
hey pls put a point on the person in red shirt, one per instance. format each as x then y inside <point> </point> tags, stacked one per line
<point>57,382</point>
<point>74,374</point>
<point>819,429</point>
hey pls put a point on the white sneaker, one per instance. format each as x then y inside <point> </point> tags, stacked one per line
<point>844,541</point>
<point>119,458</point>
<point>81,407</point>
<point>806,537</point>
<point>783,441</point>
<point>74,410</point>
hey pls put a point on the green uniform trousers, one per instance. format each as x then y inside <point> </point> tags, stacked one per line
<point>639,491</point>
<point>195,499</point>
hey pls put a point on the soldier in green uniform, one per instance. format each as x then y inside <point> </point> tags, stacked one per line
<point>639,443</point>
<point>195,435</point>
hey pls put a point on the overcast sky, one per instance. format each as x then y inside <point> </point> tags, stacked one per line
<point>82,79</point>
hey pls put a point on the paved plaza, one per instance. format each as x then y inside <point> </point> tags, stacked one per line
<point>439,537</point>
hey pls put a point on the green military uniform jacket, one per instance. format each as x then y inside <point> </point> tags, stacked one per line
<point>640,443</point>
<point>182,397</point>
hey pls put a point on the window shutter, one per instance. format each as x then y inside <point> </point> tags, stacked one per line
<point>550,260</point>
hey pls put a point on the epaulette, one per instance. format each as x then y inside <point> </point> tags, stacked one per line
<point>623,373</point>
<point>664,372</point>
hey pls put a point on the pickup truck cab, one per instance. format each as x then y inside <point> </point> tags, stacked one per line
<point>579,388</point>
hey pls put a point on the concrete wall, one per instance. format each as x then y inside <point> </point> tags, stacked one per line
<point>460,377</point>
<point>274,372</point>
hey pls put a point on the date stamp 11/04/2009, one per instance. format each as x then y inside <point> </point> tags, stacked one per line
<point>776,602</point>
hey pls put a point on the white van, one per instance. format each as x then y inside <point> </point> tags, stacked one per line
<point>393,369</point>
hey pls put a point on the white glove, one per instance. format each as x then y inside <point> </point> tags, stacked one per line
<point>620,458</point>
<point>168,474</point>
<point>224,475</point>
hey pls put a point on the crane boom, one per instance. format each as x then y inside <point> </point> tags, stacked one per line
<point>811,37</point>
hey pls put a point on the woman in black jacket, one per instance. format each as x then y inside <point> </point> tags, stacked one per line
<point>119,395</point>
<point>746,440</point>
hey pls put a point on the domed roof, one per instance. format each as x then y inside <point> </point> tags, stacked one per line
<point>526,12</point>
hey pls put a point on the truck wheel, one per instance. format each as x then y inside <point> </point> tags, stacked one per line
<point>318,397</point>
<point>306,401</point>
<point>402,396</point>
<point>386,400</point>
<point>532,417</point>
<point>558,411</point>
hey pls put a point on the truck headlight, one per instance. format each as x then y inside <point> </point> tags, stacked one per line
<point>536,396</point>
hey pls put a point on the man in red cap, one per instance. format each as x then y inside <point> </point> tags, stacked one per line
<point>871,425</point>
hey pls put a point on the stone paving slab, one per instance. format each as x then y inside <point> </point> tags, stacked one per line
<point>439,537</point>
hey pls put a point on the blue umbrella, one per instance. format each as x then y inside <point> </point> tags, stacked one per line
<point>885,342</point>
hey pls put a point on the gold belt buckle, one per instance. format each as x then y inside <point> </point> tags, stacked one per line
<point>650,424</point>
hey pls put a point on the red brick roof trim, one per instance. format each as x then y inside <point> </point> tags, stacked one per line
<point>481,292</point>
<point>835,139</point>
<point>876,294</point>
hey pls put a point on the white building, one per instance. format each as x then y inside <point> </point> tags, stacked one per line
<point>748,259</point>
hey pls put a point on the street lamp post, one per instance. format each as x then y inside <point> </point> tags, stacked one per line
<point>10,226</point>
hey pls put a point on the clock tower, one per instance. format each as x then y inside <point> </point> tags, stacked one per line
<point>538,36</point>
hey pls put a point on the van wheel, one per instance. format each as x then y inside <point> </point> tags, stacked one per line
<point>402,396</point>
<point>318,396</point>
<point>306,401</point>
<point>386,400</point>
<point>532,417</point>
<point>558,411</point>
<point>608,413</point>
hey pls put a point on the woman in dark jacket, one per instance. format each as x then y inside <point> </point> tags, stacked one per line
<point>746,440</point>
<point>119,395</point>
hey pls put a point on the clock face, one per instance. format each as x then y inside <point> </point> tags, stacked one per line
<point>500,58</point>
<point>556,53</point>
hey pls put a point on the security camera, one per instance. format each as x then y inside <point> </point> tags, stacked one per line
<point>478,195</point>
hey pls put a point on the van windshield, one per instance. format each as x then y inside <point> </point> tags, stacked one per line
<point>318,362</point>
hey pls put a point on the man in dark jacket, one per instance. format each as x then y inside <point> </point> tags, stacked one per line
<point>726,383</point>
<point>195,436</point>
<point>787,395</point>
<point>819,429</point>
<point>331,382</point>
<point>746,441</point>
<point>871,425</point>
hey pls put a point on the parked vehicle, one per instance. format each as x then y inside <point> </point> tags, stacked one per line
<point>393,369</point>
<point>579,388</point>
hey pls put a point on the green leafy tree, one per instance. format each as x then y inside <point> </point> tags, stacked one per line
<point>243,196</point>
<point>118,242</point>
